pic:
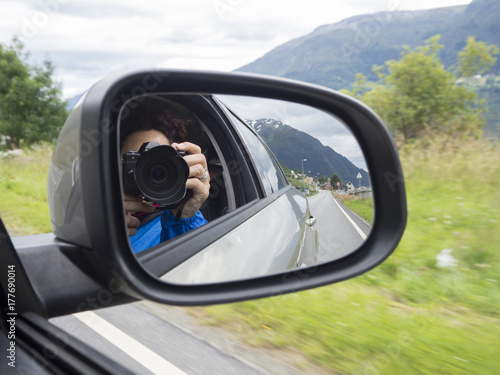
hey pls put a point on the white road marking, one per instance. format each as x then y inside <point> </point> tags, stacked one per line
<point>139,352</point>
<point>363,236</point>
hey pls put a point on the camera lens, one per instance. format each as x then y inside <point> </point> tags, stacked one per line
<point>161,175</point>
<point>158,175</point>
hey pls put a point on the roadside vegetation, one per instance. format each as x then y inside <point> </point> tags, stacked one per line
<point>361,206</point>
<point>433,307</point>
<point>31,107</point>
<point>409,315</point>
<point>23,190</point>
<point>298,182</point>
<point>416,95</point>
<point>32,112</point>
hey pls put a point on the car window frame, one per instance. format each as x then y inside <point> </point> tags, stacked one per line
<point>159,259</point>
<point>232,116</point>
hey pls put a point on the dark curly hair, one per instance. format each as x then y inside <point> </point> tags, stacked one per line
<point>152,114</point>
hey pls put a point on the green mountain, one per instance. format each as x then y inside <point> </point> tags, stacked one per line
<point>290,146</point>
<point>333,54</point>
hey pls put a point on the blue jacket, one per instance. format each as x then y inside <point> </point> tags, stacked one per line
<point>163,228</point>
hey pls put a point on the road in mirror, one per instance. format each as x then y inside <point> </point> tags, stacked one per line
<point>324,161</point>
<point>323,207</point>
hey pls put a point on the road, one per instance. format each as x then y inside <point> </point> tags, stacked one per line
<point>150,338</point>
<point>340,231</point>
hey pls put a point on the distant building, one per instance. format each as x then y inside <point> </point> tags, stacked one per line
<point>349,187</point>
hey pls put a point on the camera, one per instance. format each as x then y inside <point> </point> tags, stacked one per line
<point>157,172</point>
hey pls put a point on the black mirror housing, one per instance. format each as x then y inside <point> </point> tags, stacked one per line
<point>84,179</point>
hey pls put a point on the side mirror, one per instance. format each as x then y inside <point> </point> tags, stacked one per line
<point>262,232</point>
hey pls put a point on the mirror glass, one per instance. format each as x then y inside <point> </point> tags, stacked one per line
<point>193,159</point>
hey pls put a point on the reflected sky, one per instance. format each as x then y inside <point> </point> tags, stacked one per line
<point>320,125</point>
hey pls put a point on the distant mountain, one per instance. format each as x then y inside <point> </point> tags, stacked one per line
<point>290,146</point>
<point>333,54</point>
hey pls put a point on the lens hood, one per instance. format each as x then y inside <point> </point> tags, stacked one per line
<point>161,174</point>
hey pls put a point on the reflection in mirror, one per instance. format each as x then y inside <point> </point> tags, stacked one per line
<point>315,170</point>
<point>322,159</point>
<point>165,176</point>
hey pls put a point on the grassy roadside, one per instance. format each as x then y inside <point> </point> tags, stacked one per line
<point>299,185</point>
<point>361,206</point>
<point>23,191</point>
<point>407,315</point>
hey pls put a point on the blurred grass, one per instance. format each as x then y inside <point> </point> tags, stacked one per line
<point>23,191</point>
<point>405,316</point>
<point>361,206</point>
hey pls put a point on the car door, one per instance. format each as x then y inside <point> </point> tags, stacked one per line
<point>273,180</point>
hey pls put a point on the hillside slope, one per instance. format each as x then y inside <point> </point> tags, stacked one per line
<point>333,54</point>
<point>291,146</point>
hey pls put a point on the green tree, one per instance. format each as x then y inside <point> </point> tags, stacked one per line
<point>286,170</point>
<point>31,108</point>
<point>323,179</point>
<point>476,58</point>
<point>417,94</point>
<point>334,179</point>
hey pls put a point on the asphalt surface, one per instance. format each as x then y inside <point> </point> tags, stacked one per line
<point>336,226</point>
<point>176,349</point>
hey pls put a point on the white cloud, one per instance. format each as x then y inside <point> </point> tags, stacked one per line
<point>91,39</point>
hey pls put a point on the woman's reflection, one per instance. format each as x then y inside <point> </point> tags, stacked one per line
<point>147,225</point>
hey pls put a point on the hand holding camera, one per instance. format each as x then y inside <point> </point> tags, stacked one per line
<point>156,172</point>
<point>172,176</point>
<point>199,178</point>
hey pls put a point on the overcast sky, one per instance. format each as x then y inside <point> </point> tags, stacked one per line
<point>88,40</point>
